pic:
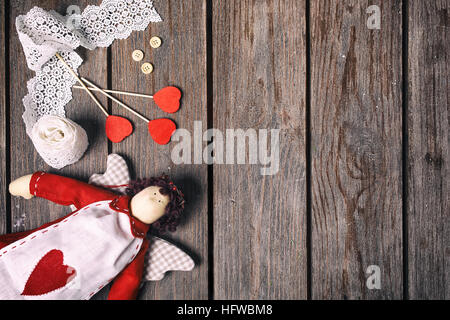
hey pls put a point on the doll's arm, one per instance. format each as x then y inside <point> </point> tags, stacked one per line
<point>61,190</point>
<point>127,283</point>
<point>7,239</point>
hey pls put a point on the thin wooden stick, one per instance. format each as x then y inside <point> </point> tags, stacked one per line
<point>82,83</point>
<point>119,92</point>
<point>116,100</point>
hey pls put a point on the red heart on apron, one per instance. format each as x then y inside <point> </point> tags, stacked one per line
<point>49,275</point>
<point>168,99</point>
<point>161,130</point>
<point>118,128</point>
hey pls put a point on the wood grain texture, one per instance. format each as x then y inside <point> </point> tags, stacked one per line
<point>180,61</point>
<point>259,82</point>
<point>4,145</point>
<point>259,73</point>
<point>356,149</point>
<point>28,214</point>
<point>428,151</point>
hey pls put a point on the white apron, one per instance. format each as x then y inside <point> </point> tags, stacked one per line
<point>92,246</point>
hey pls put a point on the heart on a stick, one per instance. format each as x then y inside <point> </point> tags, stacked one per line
<point>161,130</point>
<point>168,99</point>
<point>118,128</point>
<point>49,275</point>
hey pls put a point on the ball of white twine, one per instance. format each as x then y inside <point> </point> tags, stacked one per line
<point>59,141</point>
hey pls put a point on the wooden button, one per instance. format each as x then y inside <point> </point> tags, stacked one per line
<point>147,68</point>
<point>155,42</point>
<point>138,55</point>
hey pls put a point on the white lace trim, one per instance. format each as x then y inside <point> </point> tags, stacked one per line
<point>50,90</point>
<point>44,33</point>
<point>115,19</point>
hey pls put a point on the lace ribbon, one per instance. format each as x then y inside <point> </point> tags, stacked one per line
<point>59,141</point>
<point>43,33</point>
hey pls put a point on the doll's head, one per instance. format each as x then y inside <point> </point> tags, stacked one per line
<point>156,201</point>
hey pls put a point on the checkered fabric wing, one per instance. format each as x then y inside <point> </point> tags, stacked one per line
<point>162,257</point>
<point>116,174</point>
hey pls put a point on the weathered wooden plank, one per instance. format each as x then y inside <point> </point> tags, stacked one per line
<point>428,150</point>
<point>259,74</point>
<point>3,134</point>
<point>33,213</point>
<point>356,149</point>
<point>180,61</point>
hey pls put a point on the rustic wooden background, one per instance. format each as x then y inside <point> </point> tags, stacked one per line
<point>364,143</point>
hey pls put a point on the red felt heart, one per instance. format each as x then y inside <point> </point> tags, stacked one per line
<point>49,275</point>
<point>168,99</point>
<point>161,130</point>
<point>118,128</point>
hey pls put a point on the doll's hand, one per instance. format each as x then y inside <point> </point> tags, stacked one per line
<point>21,187</point>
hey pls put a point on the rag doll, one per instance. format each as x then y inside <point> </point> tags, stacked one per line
<point>103,240</point>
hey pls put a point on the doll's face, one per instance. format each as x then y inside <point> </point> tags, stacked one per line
<point>149,205</point>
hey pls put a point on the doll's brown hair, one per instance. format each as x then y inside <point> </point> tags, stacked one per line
<point>171,218</point>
